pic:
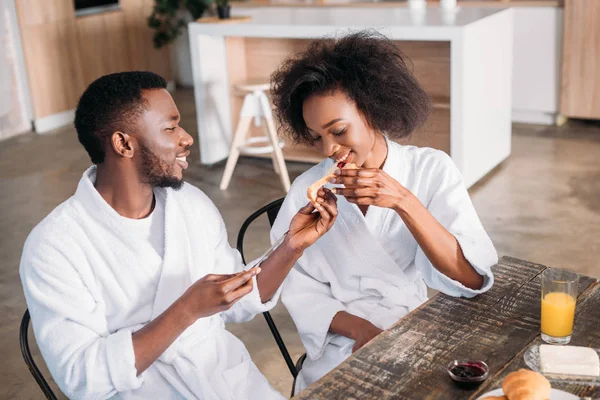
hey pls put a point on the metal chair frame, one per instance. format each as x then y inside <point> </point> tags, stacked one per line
<point>35,371</point>
<point>271,209</point>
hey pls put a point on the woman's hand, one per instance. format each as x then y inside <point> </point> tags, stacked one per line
<point>351,326</point>
<point>364,333</point>
<point>308,225</point>
<point>371,186</point>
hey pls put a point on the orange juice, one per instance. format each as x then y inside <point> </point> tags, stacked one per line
<point>558,312</point>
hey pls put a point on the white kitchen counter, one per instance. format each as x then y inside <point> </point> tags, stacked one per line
<point>478,83</point>
<point>312,22</point>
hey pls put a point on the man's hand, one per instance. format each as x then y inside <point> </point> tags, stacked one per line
<point>216,293</point>
<point>308,225</point>
<point>207,296</point>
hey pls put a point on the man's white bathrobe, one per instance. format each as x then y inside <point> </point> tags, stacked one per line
<point>88,286</point>
<point>371,266</point>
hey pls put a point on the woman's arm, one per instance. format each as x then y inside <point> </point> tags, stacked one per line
<point>376,187</point>
<point>353,327</point>
<point>439,245</point>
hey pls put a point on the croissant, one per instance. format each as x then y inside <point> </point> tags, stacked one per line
<point>314,188</point>
<point>495,398</point>
<point>526,385</point>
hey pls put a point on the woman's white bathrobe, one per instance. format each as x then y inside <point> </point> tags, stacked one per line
<point>372,266</point>
<point>88,287</point>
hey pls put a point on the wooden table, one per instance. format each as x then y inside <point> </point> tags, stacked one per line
<point>409,360</point>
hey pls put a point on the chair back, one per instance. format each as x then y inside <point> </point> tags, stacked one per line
<point>271,209</point>
<point>35,371</point>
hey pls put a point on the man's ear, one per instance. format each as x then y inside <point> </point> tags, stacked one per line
<point>122,144</point>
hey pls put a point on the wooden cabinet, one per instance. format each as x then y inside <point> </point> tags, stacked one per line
<point>64,53</point>
<point>580,85</point>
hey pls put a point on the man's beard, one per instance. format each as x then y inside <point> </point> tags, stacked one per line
<point>157,172</point>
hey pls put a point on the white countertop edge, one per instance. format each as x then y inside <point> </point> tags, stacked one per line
<point>424,32</point>
<point>431,33</point>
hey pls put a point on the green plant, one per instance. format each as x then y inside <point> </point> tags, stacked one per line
<point>167,18</point>
<point>222,3</point>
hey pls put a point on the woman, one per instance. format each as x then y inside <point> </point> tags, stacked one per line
<point>405,218</point>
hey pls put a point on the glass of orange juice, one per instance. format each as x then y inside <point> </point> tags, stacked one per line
<point>559,296</point>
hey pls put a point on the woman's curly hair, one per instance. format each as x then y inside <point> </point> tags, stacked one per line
<point>368,67</point>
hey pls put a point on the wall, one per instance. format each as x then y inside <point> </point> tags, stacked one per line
<point>536,63</point>
<point>64,53</point>
<point>15,108</point>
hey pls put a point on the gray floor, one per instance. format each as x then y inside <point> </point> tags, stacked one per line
<point>542,204</point>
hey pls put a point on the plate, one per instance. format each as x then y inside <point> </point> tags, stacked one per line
<point>555,394</point>
<point>532,360</point>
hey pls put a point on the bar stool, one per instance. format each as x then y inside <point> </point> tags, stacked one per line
<point>256,107</point>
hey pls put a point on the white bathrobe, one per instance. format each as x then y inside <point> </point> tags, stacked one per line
<point>88,287</point>
<point>371,266</point>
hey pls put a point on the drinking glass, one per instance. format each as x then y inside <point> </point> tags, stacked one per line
<point>559,296</point>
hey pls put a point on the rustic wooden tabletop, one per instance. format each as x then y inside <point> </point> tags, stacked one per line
<point>409,360</point>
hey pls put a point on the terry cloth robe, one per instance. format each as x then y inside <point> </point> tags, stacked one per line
<point>88,288</point>
<point>371,266</point>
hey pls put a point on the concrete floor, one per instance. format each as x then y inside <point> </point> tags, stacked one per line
<point>542,204</point>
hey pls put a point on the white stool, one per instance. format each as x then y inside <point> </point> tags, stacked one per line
<point>256,106</point>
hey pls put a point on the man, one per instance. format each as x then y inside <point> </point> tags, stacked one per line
<point>130,281</point>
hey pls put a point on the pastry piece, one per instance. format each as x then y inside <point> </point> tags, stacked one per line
<point>569,360</point>
<point>495,398</point>
<point>314,188</point>
<point>526,385</point>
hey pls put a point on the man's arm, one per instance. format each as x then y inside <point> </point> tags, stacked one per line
<point>305,228</point>
<point>217,293</point>
<point>207,296</point>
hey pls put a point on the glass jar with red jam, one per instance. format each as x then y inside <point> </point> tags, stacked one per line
<point>468,374</point>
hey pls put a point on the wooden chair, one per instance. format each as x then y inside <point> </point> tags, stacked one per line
<point>256,107</point>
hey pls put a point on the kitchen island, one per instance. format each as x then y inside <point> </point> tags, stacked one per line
<point>462,57</point>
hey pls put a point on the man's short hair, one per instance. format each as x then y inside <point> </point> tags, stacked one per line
<point>111,103</point>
